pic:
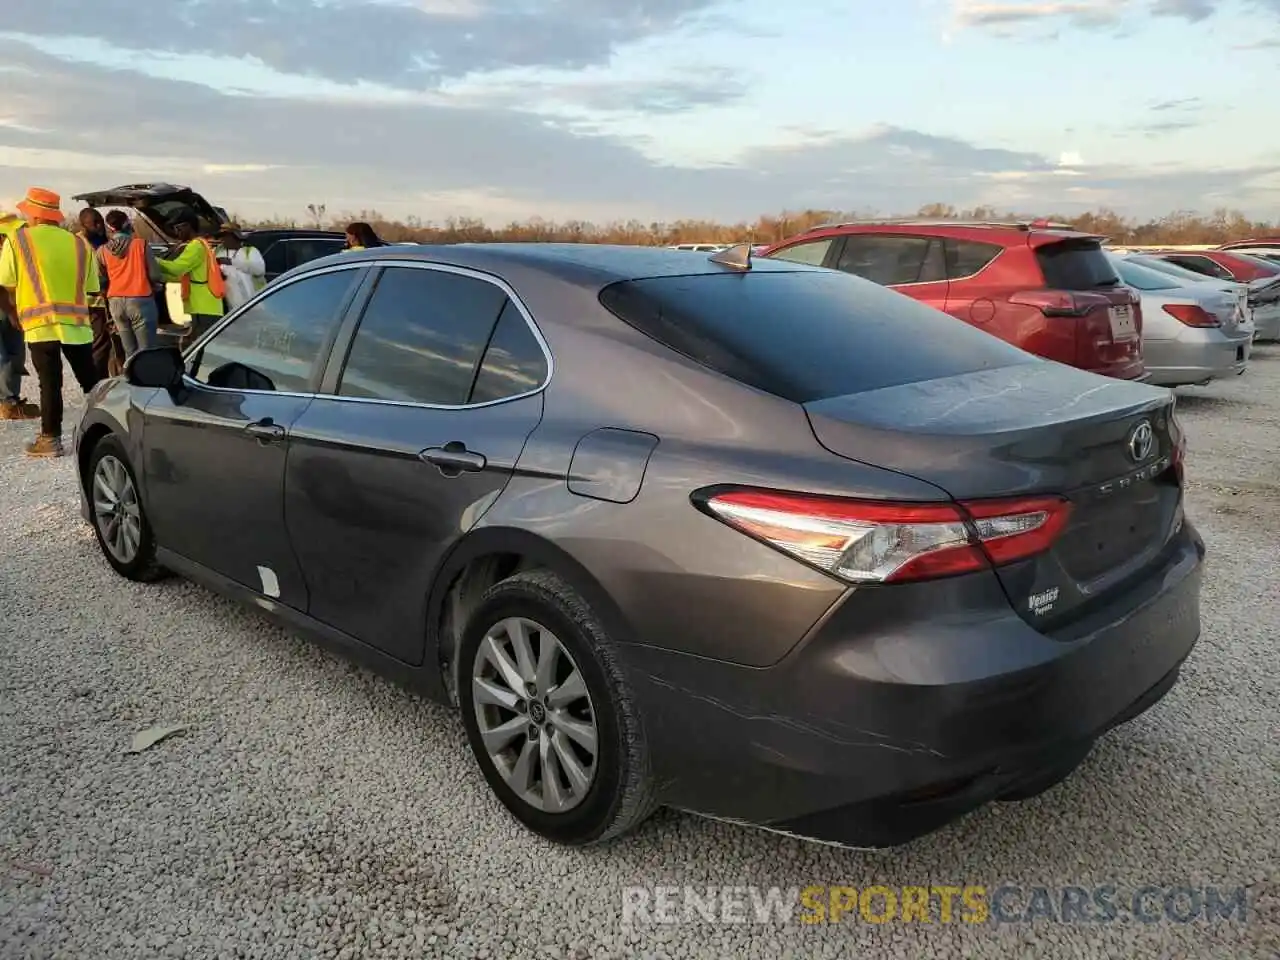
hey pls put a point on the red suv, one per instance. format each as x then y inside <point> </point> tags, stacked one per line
<point>1041,286</point>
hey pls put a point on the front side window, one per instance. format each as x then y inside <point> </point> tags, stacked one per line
<point>279,342</point>
<point>421,337</point>
<point>813,253</point>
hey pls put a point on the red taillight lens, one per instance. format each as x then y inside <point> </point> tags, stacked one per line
<point>876,542</point>
<point>1052,303</point>
<point>1188,314</point>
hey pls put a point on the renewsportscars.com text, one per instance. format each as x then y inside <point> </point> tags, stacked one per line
<point>967,904</point>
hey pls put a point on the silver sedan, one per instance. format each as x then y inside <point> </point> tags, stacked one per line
<point>1191,332</point>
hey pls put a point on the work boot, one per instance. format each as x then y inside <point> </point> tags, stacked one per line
<point>19,410</point>
<point>43,446</point>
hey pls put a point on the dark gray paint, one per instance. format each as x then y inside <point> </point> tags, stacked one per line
<point>806,695</point>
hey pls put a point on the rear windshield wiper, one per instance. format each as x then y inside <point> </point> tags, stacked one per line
<point>1115,282</point>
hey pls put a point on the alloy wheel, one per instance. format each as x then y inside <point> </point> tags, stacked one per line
<point>116,509</point>
<point>535,715</point>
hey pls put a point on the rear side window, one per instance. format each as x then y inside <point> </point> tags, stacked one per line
<point>806,335</point>
<point>304,251</point>
<point>812,253</point>
<point>889,261</point>
<point>1073,265</point>
<point>967,257</point>
<point>513,364</point>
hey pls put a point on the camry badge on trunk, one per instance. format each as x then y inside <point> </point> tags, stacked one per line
<point>1141,439</point>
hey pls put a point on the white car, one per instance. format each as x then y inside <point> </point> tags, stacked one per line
<point>1191,332</point>
<point>1262,296</point>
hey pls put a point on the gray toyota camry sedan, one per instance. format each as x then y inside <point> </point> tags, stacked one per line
<point>757,540</point>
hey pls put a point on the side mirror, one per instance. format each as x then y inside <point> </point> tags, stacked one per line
<point>161,367</point>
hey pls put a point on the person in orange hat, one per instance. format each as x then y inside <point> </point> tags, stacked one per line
<point>13,350</point>
<point>47,275</point>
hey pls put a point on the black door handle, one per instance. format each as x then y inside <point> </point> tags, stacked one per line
<point>266,430</point>
<point>454,459</point>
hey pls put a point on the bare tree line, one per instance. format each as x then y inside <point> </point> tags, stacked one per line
<point>1178,227</point>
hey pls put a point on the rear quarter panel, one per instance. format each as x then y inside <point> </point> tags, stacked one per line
<point>682,580</point>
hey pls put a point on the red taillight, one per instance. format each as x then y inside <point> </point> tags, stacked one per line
<point>876,542</point>
<point>1189,315</point>
<point>1053,303</point>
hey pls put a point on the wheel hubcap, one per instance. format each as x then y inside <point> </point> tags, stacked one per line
<point>116,510</point>
<point>535,715</point>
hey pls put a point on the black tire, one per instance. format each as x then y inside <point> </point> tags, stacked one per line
<point>621,795</point>
<point>143,568</point>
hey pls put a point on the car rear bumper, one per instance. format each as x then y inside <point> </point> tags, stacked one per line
<point>1197,356</point>
<point>903,711</point>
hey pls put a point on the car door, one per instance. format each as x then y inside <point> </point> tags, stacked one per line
<point>215,455</point>
<point>416,432</point>
<point>915,266</point>
<point>975,294</point>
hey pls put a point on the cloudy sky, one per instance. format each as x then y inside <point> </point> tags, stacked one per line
<point>657,109</point>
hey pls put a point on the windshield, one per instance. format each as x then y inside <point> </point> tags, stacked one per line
<point>1075,265</point>
<point>1144,278</point>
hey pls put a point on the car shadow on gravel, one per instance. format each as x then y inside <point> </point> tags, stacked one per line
<point>1208,401</point>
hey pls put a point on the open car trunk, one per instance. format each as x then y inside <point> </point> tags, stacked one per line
<point>1112,448</point>
<point>159,204</point>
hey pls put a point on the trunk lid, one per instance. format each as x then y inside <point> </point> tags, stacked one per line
<point>1028,429</point>
<point>159,204</point>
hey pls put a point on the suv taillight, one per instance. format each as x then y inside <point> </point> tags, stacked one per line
<point>1053,303</point>
<point>872,541</point>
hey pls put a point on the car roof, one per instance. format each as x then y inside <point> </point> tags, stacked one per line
<point>583,264</point>
<point>1008,233</point>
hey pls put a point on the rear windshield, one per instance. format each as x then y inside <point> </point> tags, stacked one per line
<point>1076,265</point>
<point>1144,278</point>
<point>807,335</point>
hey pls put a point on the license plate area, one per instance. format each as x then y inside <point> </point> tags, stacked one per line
<point>1123,325</point>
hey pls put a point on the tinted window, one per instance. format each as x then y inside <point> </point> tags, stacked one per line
<point>1069,265</point>
<point>278,342</point>
<point>1201,265</point>
<point>513,364</point>
<point>273,258</point>
<point>1164,266</point>
<point>806,335</point>
<point>1144,278</point>
<point>421,337</point>
<point>893,260</point>
<point>967,257</point>
<point>304,251</point>
<point>813,253</point>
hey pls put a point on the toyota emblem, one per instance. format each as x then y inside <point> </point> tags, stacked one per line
<point>1141,440</point>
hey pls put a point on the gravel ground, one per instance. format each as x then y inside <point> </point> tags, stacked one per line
<point>314,810</point>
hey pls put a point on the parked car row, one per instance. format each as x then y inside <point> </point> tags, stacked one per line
<point>1062,295</point>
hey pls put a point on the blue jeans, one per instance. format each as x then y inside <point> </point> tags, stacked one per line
<point>13,355</point>
<point>135,319</point>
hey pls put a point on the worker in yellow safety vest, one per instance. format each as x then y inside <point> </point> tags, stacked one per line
<point>196,266</point>
<point>46,277</point>
<point>13,350</point>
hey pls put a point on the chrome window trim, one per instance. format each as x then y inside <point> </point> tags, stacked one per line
<point>412,264</point>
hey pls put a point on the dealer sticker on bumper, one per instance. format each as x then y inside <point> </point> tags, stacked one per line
<point>1123,326</point>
